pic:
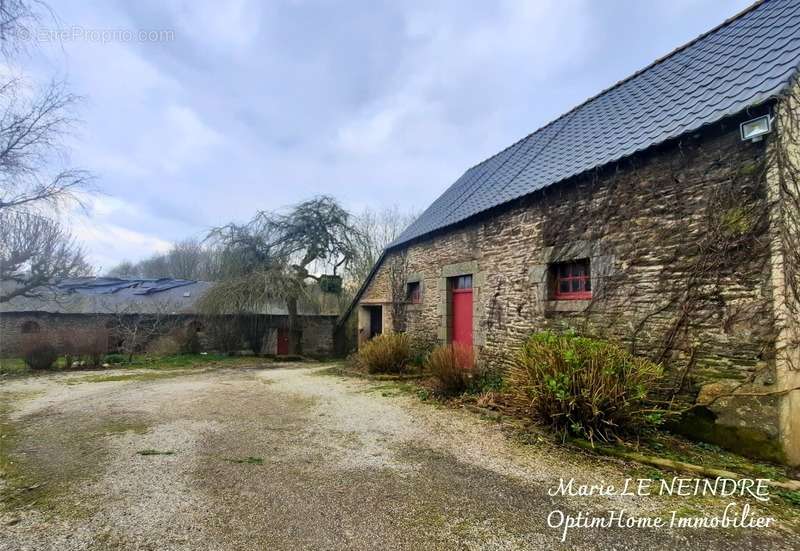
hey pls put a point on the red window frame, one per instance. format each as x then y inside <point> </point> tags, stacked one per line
<point>414,292</point>
<point>572,280</point>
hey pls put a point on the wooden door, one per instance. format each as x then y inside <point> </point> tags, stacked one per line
<point>283,341</point>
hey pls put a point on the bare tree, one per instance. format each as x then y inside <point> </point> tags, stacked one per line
<point>33,122</point>
<point>32,128</point>
<point>275,255</point>
<point>35,251</point>
<point>134,329</point>
<point>378,228</point>
<point>188,259</point>
<point>125,269</point>
<point>317,233</point>
<point>17,18</point>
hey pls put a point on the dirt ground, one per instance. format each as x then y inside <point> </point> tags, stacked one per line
<point>290,457</point>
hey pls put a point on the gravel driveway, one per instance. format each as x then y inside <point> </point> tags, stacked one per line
<point>288,457</point>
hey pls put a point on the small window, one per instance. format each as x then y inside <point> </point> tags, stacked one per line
<point>413,294</point>
<point>462,282</point>
<point>30,327</point>
<point>572,280</point>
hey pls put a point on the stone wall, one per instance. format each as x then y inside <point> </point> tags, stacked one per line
<point>316,340</point>
<point>680,273</point>
<point>56,327</point>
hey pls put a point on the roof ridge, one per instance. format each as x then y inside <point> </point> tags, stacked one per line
<point>619,83</point>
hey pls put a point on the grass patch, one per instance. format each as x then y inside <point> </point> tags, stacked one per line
<point>129,377</point>
<point>22,486</point>
<point>15,367</point>
<point>335,370</point>
<point>247,460</point>
<point>155,452</point>
<point>188,360</point>
<point>14,480</point>
<point>789,496</point>
<point>674,447</point>
<point>40,466</point>
<point>394,388</point>
<point>112,427</point>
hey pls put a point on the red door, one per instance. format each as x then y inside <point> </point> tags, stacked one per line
<point>283,341</point>
<point>462,310</point>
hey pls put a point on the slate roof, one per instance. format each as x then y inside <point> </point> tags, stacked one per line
<point>745,61</point>
<point>110,295</point>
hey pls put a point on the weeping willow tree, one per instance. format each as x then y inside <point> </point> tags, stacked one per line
<point>278,257</point>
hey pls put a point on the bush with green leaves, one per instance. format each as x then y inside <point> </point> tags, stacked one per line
<point>116,358</point>
<point>453,366</point>
<point>387,353</point>
<point>487,379</point>
<point>584,387</point>
<point>421,348</point>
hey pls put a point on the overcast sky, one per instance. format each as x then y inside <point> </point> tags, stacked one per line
<point>250,105</point>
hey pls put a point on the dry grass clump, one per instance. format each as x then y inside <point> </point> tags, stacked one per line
<point>453,367</point>
<point>387,353</point>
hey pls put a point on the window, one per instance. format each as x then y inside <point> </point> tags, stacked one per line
<point>462,282</point>
<point>413,292</point>
<point>572,280</point>
<point>30,327</point>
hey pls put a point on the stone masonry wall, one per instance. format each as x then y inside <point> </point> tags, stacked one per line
<point>647,226</point>
<point>317,331</point>
<point>317,340</point>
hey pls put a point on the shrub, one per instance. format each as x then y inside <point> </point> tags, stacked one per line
<point>89,345</point>
<point>421,349</point>
<point>186,339</point>
<point>453,366</point>
<point>387,353</point>
<point>190,342</point>
<point>225,336</point>
<point>38,353</point>
<point>164,345</point>
<point>487,380</point>
<point>582,386</point>
<point>116,358</point>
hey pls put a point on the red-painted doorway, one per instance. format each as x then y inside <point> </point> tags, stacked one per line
<point>461,288</point>
<point>283,341</point>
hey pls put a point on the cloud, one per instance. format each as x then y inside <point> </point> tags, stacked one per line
<point>107,242</point>
<point>223,27</point>
<point>261,105</point>
<point>182,138</point>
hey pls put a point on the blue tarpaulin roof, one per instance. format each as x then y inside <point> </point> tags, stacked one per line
<point>111,285</point>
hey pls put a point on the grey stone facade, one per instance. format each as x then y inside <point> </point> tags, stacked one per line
<point>645,227</point>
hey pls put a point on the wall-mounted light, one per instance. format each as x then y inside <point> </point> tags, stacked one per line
<point>755,129</point>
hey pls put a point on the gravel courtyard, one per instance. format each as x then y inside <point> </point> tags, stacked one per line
<point>289,457</point>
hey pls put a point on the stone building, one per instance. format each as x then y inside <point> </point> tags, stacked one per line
<point>82,304</point>
<point>661,213</point>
